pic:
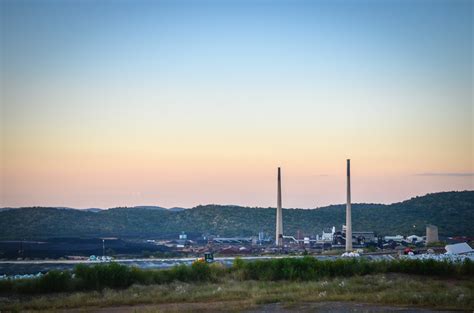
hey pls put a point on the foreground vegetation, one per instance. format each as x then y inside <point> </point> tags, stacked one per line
<point>450,211</point>
<point>114,275</point>
<point>234,295</point>
<point>431,283</point>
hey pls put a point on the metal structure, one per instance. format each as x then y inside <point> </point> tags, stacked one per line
<point>230,240</point>
<point>209,257</point>
<point>305,240</point>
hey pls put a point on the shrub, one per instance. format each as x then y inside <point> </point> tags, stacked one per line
<point>54,281</point>
<point>467,268</point>
<point>201,271</point>
<point>180,272</point>
<point>139,276</point>
<point>238,264</point>
<point>26,286</point>
<point>6,286</point>
<point>97,277</point>
<point>162,276</point>
<point>309,268</point>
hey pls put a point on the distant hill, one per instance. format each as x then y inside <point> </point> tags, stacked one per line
<point>148,207</point>
<point>95,210</point>
<point>176,209</point>
<point>6,209</point>
<point>452,212</point>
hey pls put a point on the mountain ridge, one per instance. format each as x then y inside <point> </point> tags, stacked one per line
<point>452,212</point>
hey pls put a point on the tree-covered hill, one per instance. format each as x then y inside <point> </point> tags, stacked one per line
<point>452,212</point>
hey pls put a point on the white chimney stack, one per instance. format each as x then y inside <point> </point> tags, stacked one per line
<point>279,215</point>
<point>348,209</point>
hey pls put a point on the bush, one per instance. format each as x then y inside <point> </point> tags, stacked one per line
<point>201,271</point>
<point>99,276</point>
<point>467,268</point>
<point>238,264</point>
<point>162,276</point>
<point>306,268</point>
<point>26,286</point>
<point>55,281</point>
<point>424,267</point>
<point>180,272</point>
<point>6,286</point>
<point>309,268</point>
<point>139,276</point>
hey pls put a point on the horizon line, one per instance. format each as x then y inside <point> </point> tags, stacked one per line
<point>223,205</point>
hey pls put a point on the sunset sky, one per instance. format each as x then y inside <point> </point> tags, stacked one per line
<point>181,103</point>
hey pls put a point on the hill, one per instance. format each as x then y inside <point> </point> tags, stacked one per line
<point>452,212</point>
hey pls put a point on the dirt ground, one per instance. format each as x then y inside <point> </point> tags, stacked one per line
<point>239,306</point>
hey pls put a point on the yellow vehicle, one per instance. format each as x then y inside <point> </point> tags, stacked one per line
<point>199,260</point>
<point>208,258</point>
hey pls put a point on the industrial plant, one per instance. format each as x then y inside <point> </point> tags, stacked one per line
<point>333,239</point>
<point>330,242</point>
<point>338,239</point>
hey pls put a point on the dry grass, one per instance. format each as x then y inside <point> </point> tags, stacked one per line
<point>393,289</point>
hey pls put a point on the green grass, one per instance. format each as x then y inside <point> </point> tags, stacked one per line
<point>393,289</point>
<point>118,276</point>
<point>405,282</point>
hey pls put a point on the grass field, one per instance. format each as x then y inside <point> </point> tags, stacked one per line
<point>391,289</point>
<point>247,285</point>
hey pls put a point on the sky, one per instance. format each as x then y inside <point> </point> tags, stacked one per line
<point>181,103</point>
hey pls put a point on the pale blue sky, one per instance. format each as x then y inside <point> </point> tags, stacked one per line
<point>191,84</point>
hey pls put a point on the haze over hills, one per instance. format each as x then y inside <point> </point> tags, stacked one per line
<point>452,212</point>
<point>95,210</point>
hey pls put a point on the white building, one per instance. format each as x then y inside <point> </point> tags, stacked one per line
<point>397,238</point>
<point>415,238</point>
<point>329,236</point>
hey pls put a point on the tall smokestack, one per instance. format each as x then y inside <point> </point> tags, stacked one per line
<point>279,215</point>
<point>348,209</point>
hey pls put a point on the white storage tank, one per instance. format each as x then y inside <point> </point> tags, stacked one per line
<point>431,234</point>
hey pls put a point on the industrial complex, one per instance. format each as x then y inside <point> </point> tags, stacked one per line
<point>332,240</point>
<point>338,239</point>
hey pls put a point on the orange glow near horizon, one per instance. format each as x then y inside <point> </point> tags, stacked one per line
<point>173,104</point>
